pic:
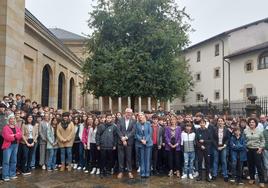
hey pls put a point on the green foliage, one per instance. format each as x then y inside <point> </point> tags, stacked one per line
<point>136,49</point>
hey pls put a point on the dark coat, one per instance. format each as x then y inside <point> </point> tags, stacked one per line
<point>129,132</point>
<point>238,147</point>
<point>106,136</point>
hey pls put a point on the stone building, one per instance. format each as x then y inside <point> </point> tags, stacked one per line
<point>34,62</point>
<point>45,64</point>
<point>229,66</point>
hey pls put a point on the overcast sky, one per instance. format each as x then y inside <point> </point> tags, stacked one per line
<point>210,17</point>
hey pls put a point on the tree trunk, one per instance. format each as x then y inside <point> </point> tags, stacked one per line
<point>132,101</point>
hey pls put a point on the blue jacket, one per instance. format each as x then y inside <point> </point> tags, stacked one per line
<point>146,133</point>
<point>238,147</point>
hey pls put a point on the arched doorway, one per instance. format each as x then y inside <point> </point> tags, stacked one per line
<point>61,84</point>
<point>71,93</point>
<point>45,85</point>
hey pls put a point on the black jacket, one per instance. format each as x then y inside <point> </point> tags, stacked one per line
<point>203,134</point>
<point>106,136</point>
<point>215,137</point>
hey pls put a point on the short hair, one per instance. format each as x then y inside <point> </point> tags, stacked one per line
<point>18,95</point>
<point>108,114</point>
<point>155,116</point>
<point>237,128</point>
<point>27,100</point>
<point>253,119</point>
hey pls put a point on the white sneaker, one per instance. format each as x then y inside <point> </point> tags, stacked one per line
<point>6,179</point>
<point>196,174</point>
<point>191,176</point>
<point>210,177</point>
<point>44,167</point>
<point>75,166</point>
<point>93,171</point>
<point>86,171</point>
<point>139,169</point>
<point>79,168</point>
<point>84,168</point>
<point>184,176</point>
<point>98,171</point>
<point>170,174</point>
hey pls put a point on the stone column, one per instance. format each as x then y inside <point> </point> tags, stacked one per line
<point>128,102</point>
<point>139,104</point>
<point>168,106</point>
<point>158,104</point>
<point>149,104</point>
<point>12,22</point>
<point>110,104</point>
<point>119,104</point>
<point>100,104</point>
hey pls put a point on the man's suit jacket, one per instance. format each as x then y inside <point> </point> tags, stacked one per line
<point>129,132</point>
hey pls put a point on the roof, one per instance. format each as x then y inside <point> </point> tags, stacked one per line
<point>221,35</point>
<point>248,50</point>
<point>66,35</point>
<point>49,36</point>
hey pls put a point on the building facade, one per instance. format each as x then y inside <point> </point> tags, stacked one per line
<point>229,66</point>
<point>34,62</point>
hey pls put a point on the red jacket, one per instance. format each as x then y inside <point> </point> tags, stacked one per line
<point>8,138</point>
<point>85,136</point>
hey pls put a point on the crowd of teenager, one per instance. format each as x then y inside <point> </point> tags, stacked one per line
<point>151,143</point>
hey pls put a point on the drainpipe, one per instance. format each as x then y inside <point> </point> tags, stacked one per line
<point>223,76</point>
<point>229,82</point>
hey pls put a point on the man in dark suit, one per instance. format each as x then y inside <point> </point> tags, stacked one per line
<point>126,133</point>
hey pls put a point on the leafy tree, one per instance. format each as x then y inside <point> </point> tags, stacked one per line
<point>136,50</point>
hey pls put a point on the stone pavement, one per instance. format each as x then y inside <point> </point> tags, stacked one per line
<point>76,179</point>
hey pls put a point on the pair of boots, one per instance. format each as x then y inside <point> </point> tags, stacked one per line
<point>199,178</point>
<point>62,168</point>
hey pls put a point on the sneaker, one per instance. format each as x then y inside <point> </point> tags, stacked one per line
<point>33,167</point>
<point>84,168</point>
<point>139,169</point>
<point>14,177</point>
<point>93,171</point>
<point>112,171</point>
<point>86,171</point>
<point>44,167</point>
<point>79,168</point>
<point>261,185</point>
<point>240,183</point>
<point>191,176</point>
<point>75,166</point>
<point>184,176</point>
<point>196,174</point>
<point>6,179</point>
<point>98,171</point>
<point>170,174</point>
<point>49,170</point>
<point>26,173</point>
<point>232,180</point>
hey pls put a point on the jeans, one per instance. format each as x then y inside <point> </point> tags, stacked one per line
<point>222,154</point>
<point>94,155</point>
<point>9,161</point>
<point>33,162</point>
<point>265,161</point>
<point>27,158</point>
<point>188,162</point>
<point>52,156</point>
<point>203,155</point>
<point>63,152</point>
<point>145,160</point>
<point>106,161</point>
<point>255,161</point>
<point>137,155</point>
<point>174,160</point>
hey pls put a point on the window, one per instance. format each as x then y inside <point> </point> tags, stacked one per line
<point>198,97</point>
<point>217,50</point>
<point>263,61</point>
<point>249,91</point>
<point>217,72</point>
<point>198,56</point>
<point>249,66</point>
<point>198,76</point>
<point>183,100</point>
<point>217,95</point>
